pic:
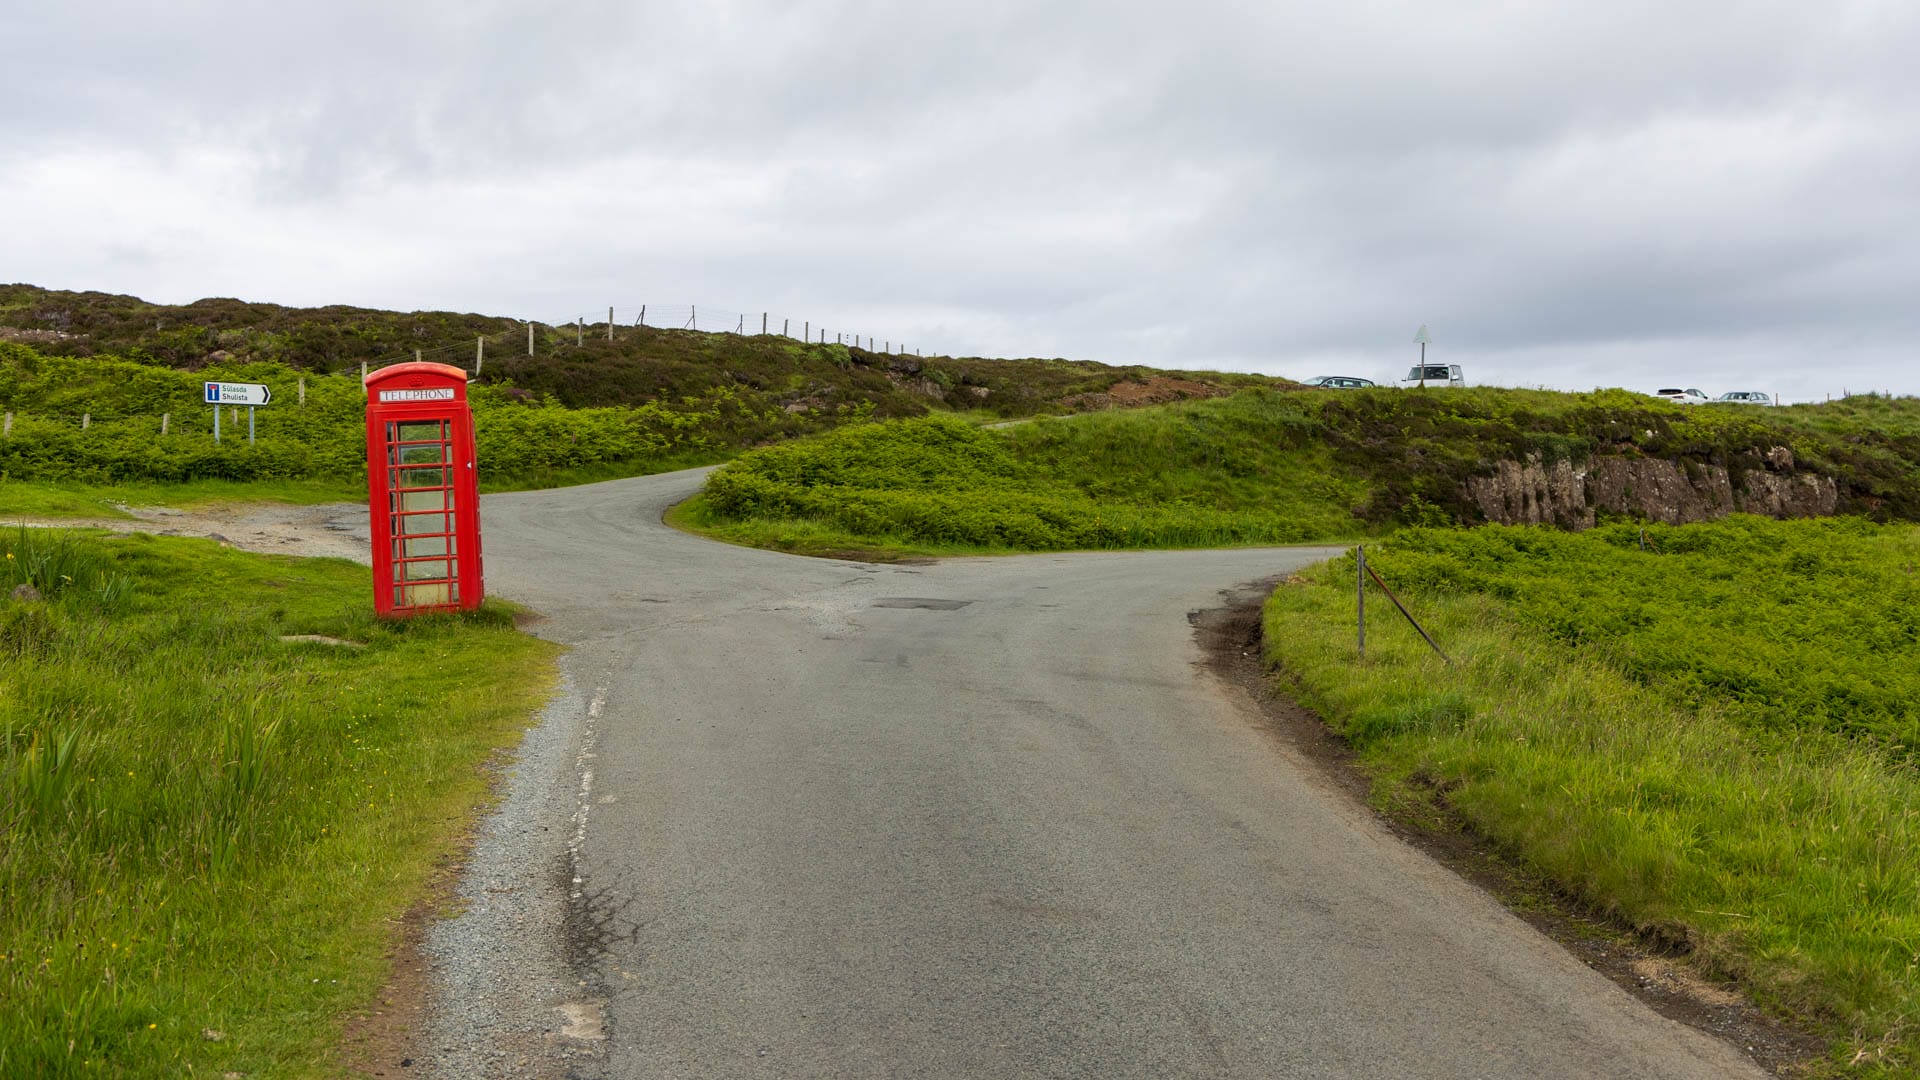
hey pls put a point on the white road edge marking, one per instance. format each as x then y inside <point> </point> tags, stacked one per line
<point>589,738</point>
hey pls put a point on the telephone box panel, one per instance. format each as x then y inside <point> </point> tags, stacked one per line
<point>423,491</point>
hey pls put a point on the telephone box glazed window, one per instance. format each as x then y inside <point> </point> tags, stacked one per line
<point>424,495</point>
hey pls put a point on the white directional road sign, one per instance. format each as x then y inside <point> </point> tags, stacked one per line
<point>237,393</point>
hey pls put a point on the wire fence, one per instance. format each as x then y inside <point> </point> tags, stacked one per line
<point>552,334</point>
<point>534,338</point>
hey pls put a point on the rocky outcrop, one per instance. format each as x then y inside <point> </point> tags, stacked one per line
<point>1533,492</point>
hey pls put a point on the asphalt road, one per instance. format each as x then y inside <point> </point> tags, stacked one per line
<point>981,818</point>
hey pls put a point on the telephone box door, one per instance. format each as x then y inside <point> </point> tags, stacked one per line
<point>423,492</point>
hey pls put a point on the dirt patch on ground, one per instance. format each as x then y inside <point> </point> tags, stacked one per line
<point>1230,638</point>
<point>328,530</point>
<point>384,1040</point>
<point>1133,393</point>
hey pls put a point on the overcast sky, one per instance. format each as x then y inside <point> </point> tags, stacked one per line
<point>1572,194</point>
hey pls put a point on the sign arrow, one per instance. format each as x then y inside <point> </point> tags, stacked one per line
<point>238,393</point>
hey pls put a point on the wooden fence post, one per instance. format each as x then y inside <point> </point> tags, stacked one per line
<point>763,324</point>
<point>529,337</point>
<point>165,418</point>
<point>609,324</point>
<point>6,429</point>
<point>783,329</point>
<point>1360,594</point>
<point>86,421</point>
<point>479,356</point>
<point>303,390</point>
<point>579,330</point>
<point>363,391</point>
<point>416,356</point>
<point>642,320</point>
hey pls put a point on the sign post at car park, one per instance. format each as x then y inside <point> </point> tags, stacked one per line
<point>227,393</point>
<point>1421,337</point>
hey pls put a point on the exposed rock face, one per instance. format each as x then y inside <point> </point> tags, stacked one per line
<point>1533,494</point>
<point>1569,496</point>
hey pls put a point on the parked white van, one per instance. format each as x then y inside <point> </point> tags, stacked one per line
<point>1435,375</point>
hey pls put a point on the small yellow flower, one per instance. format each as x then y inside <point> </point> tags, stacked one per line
<point>150,1027</point>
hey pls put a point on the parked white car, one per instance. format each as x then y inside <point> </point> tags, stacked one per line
<point>1743,397</point>
<point>1689,396</point>
<point>1435,375</point>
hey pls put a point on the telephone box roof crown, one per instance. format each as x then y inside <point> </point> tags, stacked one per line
<point>415,367</point>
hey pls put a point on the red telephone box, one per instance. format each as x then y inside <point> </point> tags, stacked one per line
<point>423,495</point>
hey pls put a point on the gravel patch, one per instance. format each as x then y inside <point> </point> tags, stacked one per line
<point>325,530</point>
<point>505,1003</point>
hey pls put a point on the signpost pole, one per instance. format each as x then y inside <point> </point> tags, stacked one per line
<point>216,423</point>
<point>249,425</point>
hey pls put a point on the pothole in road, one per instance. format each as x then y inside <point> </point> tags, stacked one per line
<point>583,1021</point>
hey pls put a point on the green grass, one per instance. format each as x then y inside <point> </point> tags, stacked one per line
<point>20,499</point>
<point>1185,476</point>
<point>1263,466</point>
<point>1713,744</point>
<point>209,828</point>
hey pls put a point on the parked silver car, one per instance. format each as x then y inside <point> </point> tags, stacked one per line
<point>1338,382</point>
<point>1743,397</point>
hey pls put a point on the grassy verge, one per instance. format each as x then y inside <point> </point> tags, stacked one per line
<point>1200,475</point>
<point>812,536</point>
<point>209,832</point>
<point>1709,744</point>
<point>537,479</point>
<point>73,500</point>
<point>43,500</point>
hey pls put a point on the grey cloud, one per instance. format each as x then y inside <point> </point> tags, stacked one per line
<point>1615,184</point>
